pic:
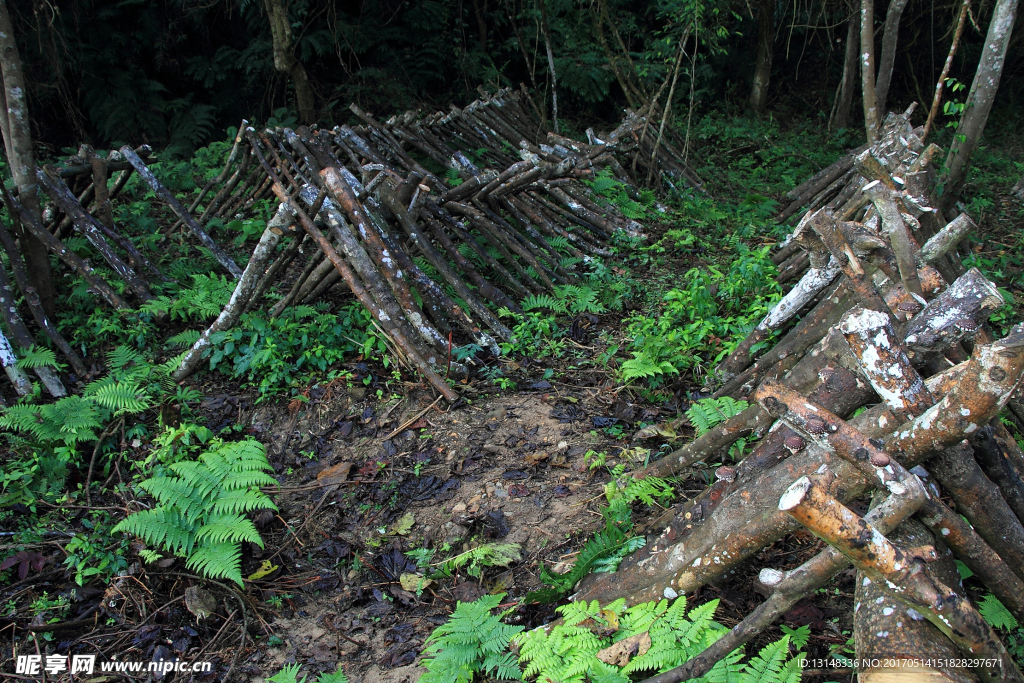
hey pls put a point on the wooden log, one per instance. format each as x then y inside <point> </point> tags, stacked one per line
<point>875,344</point>
<point>22,337</point>
<point>956,314</point>
<point>790,588</point>
<point>816,508</point>
<point>90,229</point>
<point>387,323</point>
<point>992,374</point>
<point>725,524</point>
<point>979,500</point>
<point>893,642</point>
<point>34,227</point>
<point>828,230</point>
<point>22,384</point>
<point>450,276</point>
<point>343,194</point>
<point>946,239</point>
<point>994,457</point>
<point>165,195</point>
<point>824,269</point>
<point>973,551</point>
<point>899,237</point>
<point>242,294</point>
<point>753,420</point>
<point>32,297</point>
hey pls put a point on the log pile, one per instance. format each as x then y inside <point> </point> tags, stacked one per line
<point>429,255</point>
<point>883,382</point>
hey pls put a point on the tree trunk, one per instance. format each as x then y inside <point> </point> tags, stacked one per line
<point>844,100</point>
<point>979,99</point>
<point>285,60</point>
<point>18,141</point>
<point>867,69</point>
<point>888,56</point>
<point>551,62</point>
<point>763,66</point>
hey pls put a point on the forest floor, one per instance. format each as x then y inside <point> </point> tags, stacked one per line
<point>378,480</point>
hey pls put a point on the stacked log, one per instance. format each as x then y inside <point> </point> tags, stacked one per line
<point>510,218</point>
<point>882,329</point>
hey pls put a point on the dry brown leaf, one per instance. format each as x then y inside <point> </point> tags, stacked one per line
<point>621,652</point>
<point>334,475</point>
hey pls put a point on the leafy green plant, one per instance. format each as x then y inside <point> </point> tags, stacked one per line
<point>290,672</point>
<point>275,353</point>
<point>567,652</point>
<point>92,554</point>
<point>200,507</point>
<point>475,560</point>
<point>708,412</point>
<point>996,613</point>
<point>473,640</point>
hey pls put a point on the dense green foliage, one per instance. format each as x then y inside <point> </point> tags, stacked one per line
<point>475,641</point>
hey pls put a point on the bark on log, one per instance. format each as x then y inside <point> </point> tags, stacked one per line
<point>896,642</point>
<point>32,298</point>
<point>34,227</point>
<point>22,384</point>
<point>992,374</point>
<point>979,500</point>
<point>388,324</point>
<point>813,506</point>
<point>954,315</point>
<point>992,455</point>
<point>796,584</point>
<point>87,225</point>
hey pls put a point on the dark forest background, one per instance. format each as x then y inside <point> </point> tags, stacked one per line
<point>176,73</point>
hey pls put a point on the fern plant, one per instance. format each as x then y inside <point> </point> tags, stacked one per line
<point>290,674</point>
<point>709,412</point>
<point>568,651</point>
<point>479,558</point>
<point>201,504</point>
<point>474,640</point>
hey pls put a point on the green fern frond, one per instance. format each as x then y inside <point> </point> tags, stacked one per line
<point>184,339</point>
<point>204,502</point>
<point>709,412</point>
<point>473,640</point>
<point>995,612</point>
<point>123,397</point>
<point>218,561</point>
<point>37,357</point>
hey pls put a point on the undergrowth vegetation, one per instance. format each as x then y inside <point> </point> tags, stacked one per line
<point>652,319</point>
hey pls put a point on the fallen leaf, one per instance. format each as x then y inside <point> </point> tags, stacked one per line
<point>200,602</point>
<point>655,430</point>
<point>414,582</point>
<point>536,457</point>
<point>404,524</point>
<point>621,652</point>
<point>334,475</point>
<point>266,569</point>
<point>611,617</point>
